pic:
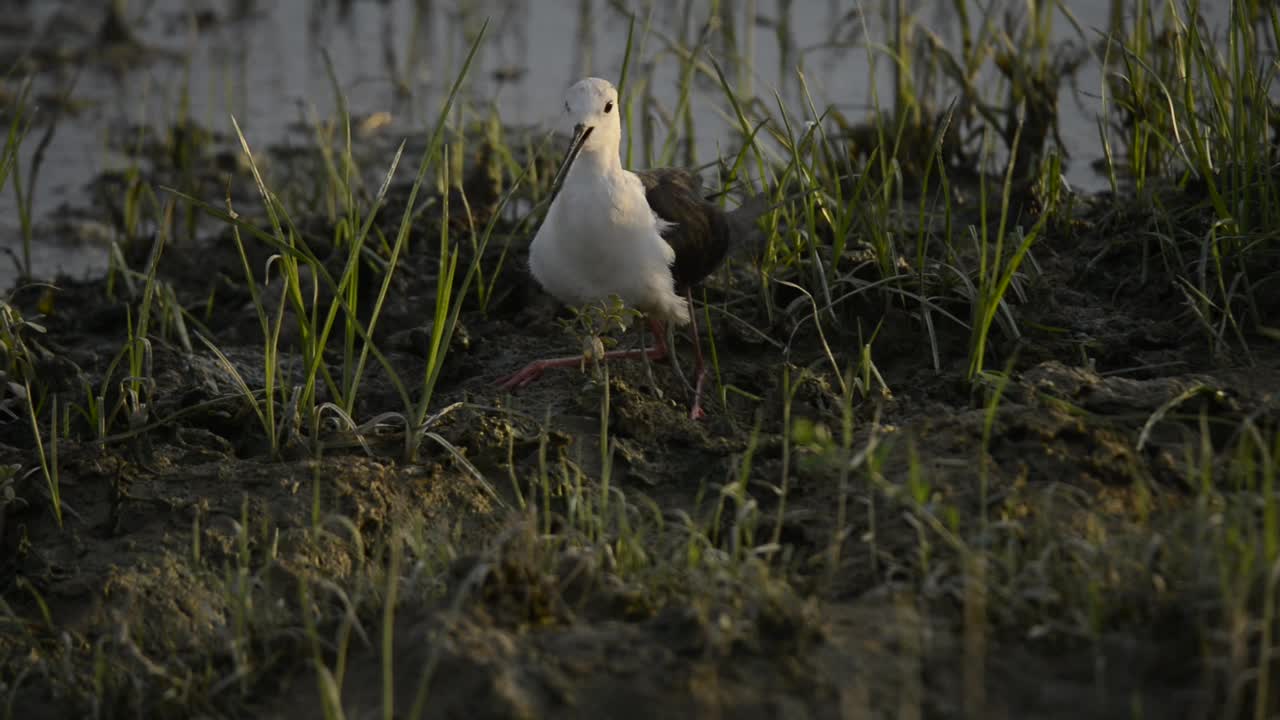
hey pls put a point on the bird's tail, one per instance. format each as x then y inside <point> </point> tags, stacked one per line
<point>747,236</point>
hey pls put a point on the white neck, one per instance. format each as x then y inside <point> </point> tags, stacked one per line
<point>597,161</point>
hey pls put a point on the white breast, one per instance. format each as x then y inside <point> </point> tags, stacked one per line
<point>600,238</point>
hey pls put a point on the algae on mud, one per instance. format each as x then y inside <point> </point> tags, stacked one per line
<point>866,525</point>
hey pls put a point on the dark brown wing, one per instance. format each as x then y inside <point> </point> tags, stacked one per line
<point>700,231</point>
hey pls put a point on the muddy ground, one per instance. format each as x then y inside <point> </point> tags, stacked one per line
<point>189,558</point>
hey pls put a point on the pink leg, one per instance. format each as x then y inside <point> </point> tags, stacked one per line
<point>699,368</point>
<point>534,370</point>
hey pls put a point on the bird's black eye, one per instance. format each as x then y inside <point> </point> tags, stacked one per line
<point>608,107</point>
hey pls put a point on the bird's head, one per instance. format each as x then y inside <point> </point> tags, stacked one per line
<point>591,109</point>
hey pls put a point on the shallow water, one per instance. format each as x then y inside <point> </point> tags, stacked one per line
<point>262,62</point>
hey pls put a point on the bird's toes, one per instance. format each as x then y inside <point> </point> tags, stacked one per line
<point>519,379</point>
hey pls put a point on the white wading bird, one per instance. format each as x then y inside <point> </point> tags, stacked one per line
<point>647,236</point>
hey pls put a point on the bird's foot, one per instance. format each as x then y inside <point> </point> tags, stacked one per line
<point>531,372</point>
<point>522,377</point>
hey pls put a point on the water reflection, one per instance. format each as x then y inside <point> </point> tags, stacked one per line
<point>262,61</point>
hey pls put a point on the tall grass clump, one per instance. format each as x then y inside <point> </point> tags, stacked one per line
<point>998,265</point>
<point>320,300</point>
<point>1198,107</point>
<point>882,211</point>
<point>19,381</point>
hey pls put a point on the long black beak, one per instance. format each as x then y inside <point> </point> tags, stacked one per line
<point>580,134</point>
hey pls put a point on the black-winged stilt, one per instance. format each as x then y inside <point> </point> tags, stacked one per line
<point>647,237</point>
